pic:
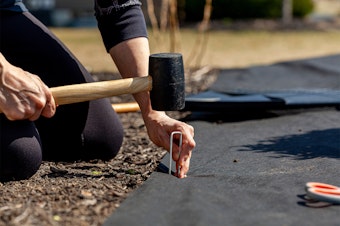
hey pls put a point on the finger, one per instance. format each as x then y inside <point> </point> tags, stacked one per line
<point>33,111</point>
<point>45,101</point>
<point>37,104</point>
<point>188,144</point>
<point>49,109</point>
<point>183,162</point>
<point>175,152</point>
<point>182,168</point>
<point>176,149</point>
<point>182,155</point>
<point>50,106</point>
<point>34,116</point>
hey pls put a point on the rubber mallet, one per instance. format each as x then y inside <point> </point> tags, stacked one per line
<point>165,83</point>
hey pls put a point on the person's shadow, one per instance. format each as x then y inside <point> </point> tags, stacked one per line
<point>314,144</point>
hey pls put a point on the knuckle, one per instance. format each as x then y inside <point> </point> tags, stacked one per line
<point>39,105</point>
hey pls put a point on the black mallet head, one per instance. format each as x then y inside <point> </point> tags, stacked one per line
<point>168,85</point>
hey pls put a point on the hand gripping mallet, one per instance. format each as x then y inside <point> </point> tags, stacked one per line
<point>165,83</point>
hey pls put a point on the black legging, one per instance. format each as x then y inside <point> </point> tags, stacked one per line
<point>89,130</point>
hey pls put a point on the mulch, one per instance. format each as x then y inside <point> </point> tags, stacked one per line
<point>87,193</point>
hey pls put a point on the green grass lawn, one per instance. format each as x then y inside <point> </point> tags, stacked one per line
<point>222,49</point>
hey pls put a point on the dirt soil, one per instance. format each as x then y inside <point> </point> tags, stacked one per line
<point>87,193</point>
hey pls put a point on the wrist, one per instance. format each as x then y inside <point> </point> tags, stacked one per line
<point>2,67</point>
<point>3,64</point>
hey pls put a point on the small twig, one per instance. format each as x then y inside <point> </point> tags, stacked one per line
<point>22,217</point>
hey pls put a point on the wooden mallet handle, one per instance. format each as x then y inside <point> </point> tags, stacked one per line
<point>76,93</point>
<point>95,90</point>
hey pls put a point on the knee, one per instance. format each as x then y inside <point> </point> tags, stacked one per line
<point>103,134</point>
<point>21,159</point>
<point>105,145</point>
<point>109,147</point>
<point>119,136</point>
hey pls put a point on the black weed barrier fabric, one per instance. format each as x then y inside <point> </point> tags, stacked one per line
<point>248,170</point>
<point>307,83</point>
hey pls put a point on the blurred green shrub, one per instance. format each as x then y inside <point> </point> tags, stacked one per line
<point>301,8</point>
<point>192,10</point>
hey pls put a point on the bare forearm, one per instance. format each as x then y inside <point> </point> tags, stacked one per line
<point>131,58</point>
